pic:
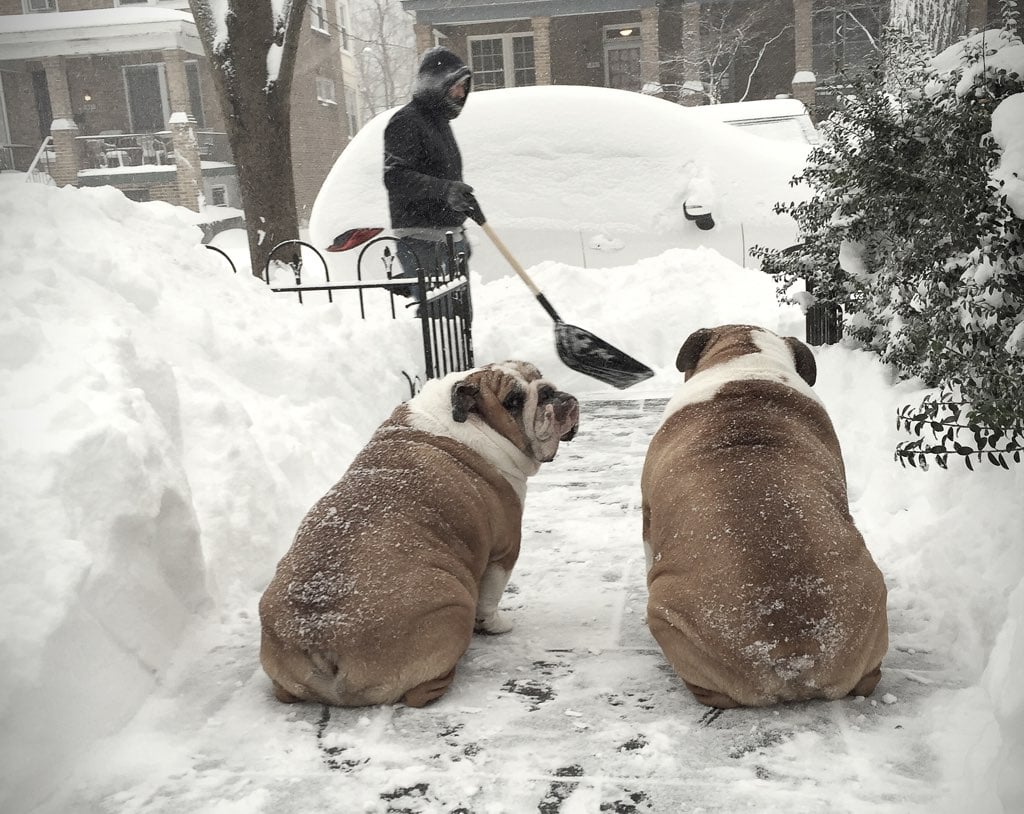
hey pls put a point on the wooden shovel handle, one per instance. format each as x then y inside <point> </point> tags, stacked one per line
<point>501,247</point>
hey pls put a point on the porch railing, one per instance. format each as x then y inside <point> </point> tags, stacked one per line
<point>39,170</point>
<point>105,151</point>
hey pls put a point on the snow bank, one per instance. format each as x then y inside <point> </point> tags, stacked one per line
<point>165,425</point>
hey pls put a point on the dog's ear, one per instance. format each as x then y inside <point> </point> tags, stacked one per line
<point>690,352</point>
<point>804,359</point>
<point>464,397</point>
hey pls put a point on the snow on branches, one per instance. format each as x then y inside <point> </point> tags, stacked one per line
<point>914,231</point>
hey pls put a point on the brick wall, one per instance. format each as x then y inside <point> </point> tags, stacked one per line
<point>542,49</point>
<point>577,46</point>
<point>319,131</point>
<point>803,54</point>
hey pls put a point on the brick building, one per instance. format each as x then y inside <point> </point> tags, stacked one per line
<point>124,90</point>
<point>663,46</point>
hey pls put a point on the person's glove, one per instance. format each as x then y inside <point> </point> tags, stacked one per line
<point>459,196</point>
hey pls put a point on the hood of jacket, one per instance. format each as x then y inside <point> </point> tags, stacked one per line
<point>439,70</point>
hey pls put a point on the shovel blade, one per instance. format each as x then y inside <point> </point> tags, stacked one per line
<point>353,237</point>
<point>590,355</point>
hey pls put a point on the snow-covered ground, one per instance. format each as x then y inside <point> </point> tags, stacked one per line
<point>166,424</point>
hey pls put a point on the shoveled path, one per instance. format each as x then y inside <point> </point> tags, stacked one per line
<point>575,710</point>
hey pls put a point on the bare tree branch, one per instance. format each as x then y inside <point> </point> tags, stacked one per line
<point>757,62</point>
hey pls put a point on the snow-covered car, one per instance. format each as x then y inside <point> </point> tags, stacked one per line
<point>593,177</point>
<point>779,119</point>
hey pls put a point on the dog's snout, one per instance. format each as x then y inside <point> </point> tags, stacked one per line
<point>567,413</point>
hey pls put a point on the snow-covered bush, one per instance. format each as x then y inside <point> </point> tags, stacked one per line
<point>911,232</point>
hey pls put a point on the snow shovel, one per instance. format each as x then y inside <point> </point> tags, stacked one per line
<point>579,350</point>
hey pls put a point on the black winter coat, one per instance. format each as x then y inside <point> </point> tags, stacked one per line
<point>421,158</point>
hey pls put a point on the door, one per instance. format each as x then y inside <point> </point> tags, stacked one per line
<point>623,66</point>
<point>146,92</point>
<point>41,91</point>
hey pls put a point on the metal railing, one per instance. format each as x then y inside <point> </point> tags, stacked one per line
<point>40,169</point>
<point>112,150</point>
<point>443,301</point>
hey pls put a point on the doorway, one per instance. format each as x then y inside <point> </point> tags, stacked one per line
<point>146,91</point>
<point>44,112</point>
<point>622,57</point>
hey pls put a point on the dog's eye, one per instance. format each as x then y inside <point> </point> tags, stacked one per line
<point>513,402</point>
<point>546,393</point>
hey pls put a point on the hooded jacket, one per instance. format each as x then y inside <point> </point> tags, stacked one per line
<point>421,158</point>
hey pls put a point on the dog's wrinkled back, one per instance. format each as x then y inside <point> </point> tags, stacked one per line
<point>761,589</point>
<point>392,570</point>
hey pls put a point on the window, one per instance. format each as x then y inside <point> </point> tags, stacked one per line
<point>5,132</point>
<point>38,6</point>
<point>134,2</point>
<point>345,26</point>
<point>622,56</point>
<point>325,91</point>
<point>845,39</point>
<point>140,195</point>
<point>502,62</point>
<point>195,94</point>
<point>318,16</point>
<point>218,195</point>
<point>351,111</point>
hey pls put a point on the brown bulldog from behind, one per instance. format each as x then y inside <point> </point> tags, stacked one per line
<point>761,589</point>
<point>393,569</point>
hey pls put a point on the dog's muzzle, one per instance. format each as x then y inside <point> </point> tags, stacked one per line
<point>567,414</point>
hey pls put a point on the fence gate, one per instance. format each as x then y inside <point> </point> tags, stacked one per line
<point>446,316</point>
<point>445,308</point>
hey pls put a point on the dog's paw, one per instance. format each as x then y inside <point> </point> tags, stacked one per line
<point>493,624</point>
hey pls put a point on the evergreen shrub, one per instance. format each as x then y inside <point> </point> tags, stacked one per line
<point>908,232</point>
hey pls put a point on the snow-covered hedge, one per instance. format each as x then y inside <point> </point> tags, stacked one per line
<point>915,230</point>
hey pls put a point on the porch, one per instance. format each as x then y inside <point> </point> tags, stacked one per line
<point>117,96</point>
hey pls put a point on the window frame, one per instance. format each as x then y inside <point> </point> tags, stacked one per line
<point>634,42</point>
<point>834,46</point>
<point>320,6</point>
<point>345,26</point>
<point>51,6</point>
<point>508,55</point>
<point>351,110</point>
<point>5,122</point>
<point>321,83</point>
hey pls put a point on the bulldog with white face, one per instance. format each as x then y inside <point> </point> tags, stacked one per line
<point>393,569</point>
<point>761,589</point>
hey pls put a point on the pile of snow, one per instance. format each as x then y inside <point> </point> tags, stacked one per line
<point>165,426</point>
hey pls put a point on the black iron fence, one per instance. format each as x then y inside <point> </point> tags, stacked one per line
<point>824,323</point>
<point>823,320</point>
<point>442,299</point>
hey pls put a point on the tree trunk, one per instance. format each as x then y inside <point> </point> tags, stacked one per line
<point>257,113</point>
